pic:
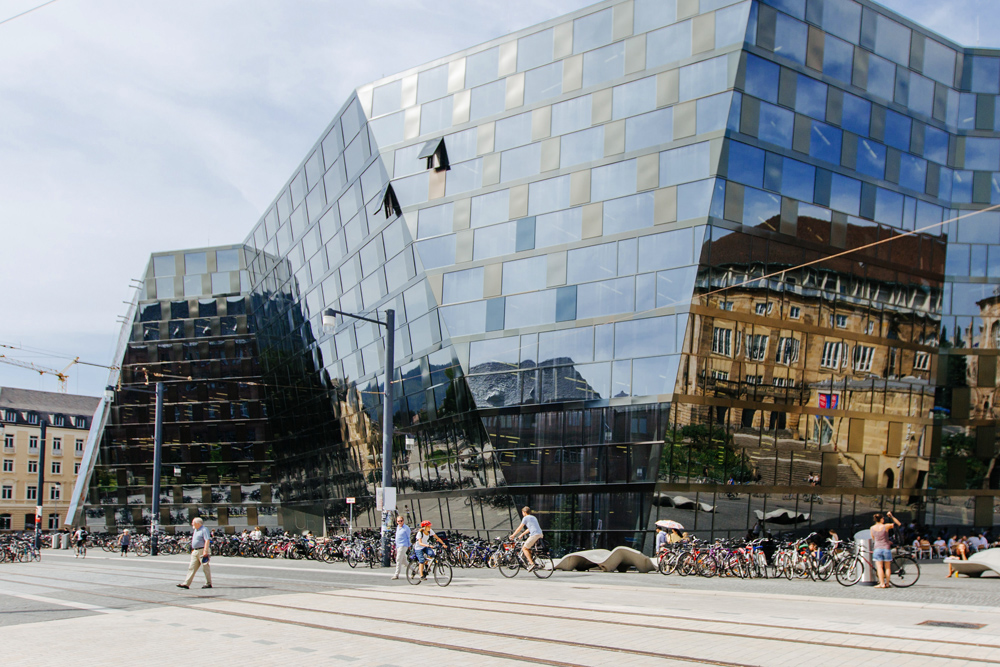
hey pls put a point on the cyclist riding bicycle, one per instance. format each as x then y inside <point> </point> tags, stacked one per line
<point>530,524</point>
<point>422,547</point>
<point>80,539</point>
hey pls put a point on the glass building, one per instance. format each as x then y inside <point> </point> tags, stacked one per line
<point>716,261</point>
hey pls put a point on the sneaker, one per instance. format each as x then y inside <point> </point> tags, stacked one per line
<point>207,586</point>
<point>532,567</point>
<point>185,586</point>
<point>396,576</point>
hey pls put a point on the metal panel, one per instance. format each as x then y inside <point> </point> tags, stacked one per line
<point>871,470</point>
<point>667,88</point>
<point>814,50</point>
<point>648,172</point>
<point>409,91</point>
<point>986,441</point>
<point>734,202</point>
<point>462,210</point>
<point>749,116</point>
<point>435,184</point>
<point>984,511</point>
<point>456,75</point>
<point>849,151</point>
<point>491,169</point>
<point>555,274</point>
<point>463,249</point>
<point>957,473</point>
<point>492,280</point>
<point>623,20</point>
<point>550,154</point>
<point>787,87</point>
<point>789,216</point>
<point>828,473</point>
<point>894,444</point>
<point>515,91</point>
<point>541,123</point>
<point>665,205</point>
<point>801,134</point>
<point>593,220</point>
<point>614,138</point>
<point>579,187</point>
<point>484,138</point>
<point>600,106</point>
<point>562,36</point>
<point>834,105</point>
<point>703,33</point>
<point>685,120</point>
<point>434,282</point>
<point>635,54</point>
<point>856,436</point>
<point>686,8</point>
<point>365,99</point>
<point>411,123</point>
<point>508,58</point>
<point>573,73</point>
<point>518,201</point>
<point>460,107</point>
<point>987,375</point>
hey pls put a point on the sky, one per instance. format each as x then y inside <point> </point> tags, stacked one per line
<point>135,127</point>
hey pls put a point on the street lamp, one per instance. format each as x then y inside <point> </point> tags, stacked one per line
<point>109,394</point>
<point>42,424</point>
<point>388,491</point>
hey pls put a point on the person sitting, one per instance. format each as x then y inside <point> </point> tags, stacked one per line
<point>940,547</point>
<point>924,547</point>
<point>674,537</point>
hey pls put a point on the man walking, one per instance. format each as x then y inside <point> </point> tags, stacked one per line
<point>402,544</point>
<point>201,550</point>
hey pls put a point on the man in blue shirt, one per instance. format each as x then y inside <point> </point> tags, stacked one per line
<point>402,544</point>
<point>201,549</point>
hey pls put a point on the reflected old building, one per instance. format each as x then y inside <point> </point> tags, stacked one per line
<point>636,253</point>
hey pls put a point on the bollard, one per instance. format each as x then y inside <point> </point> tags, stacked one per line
<point>66,540</point>
<point>54,540</point>
<point>868,576</point>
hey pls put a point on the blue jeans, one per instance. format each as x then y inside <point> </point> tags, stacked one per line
<point>882,556</point>
<point>423,553</point>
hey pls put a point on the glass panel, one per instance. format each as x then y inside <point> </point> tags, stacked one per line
<point>985,75</point>
<point>534,50</point>
<point>432,84</point>
<point>543,82</point>
<point>936,144</point>
<point>633,98</point>
<point>592,31</point>
<point>461,145</point>
<point>881,77</point>
<point>845,194</point>
<point>435,116</point>
<point>490,208</point>
<point>654,335</point>
<point>675,286</point>
<point>913,173</point>
<point>762,79</point>
<point>825,142</point>
<point>666,251</point>
<point>495,241</point>
<point>579,147</point>
<point>651,14</point>
<point>548,195</point>
<point>524,275</point>
<point>731,24</point>
<point>694,199</point>
<point>613,180</point>
<point>871,158</point>
<point>488,100</point>
<point>939,62</point>
<point>790,38</point>
<point>760,207</point>
<point>897,130</point>
<point>704,78</point>
<point>529,310</point>
<point>592,263</point>
<point>798,180</point>
<point>746,165</point>
<point>463,285</point>
<point>669,44</point>
<point>569,345</point>
<point>857,113</point>
<point>462,320</point>
<point>195,262</point>
<point>387,98</point>
<point>838,59</point>
<point>437,252</point>
<point>921,97</point>
<point>435,221</point>
<point>560,227</point>
<point>482,67</point>
<point>521,162</point>
<point>654,375</point>
<point>571,115</point>
<point>713,112</point>
<point>629,213</point>
<point>684,164</point>
<point>810,97</point>
<point>609,297</point>
<point>649,129</point>
<point>889,207</point>
<point>842,18</point>
<point>388,130</point>
<point>776,125</point>
<point>892,40</point>
<point>982,154</point>
<point>464,176</point>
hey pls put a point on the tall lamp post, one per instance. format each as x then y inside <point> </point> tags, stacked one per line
<point>42,424</point>
<point>154,524</point>
<point>388,491</point>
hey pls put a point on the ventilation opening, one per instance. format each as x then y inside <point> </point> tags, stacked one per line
<point>436,154</point>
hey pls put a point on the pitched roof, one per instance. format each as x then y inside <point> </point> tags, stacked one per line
<point>47,401</point>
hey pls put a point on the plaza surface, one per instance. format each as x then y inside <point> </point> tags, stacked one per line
<point>259,612</point>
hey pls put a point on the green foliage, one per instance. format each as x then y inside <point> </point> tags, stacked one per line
<point>959,446</point>
<point>711,451</point>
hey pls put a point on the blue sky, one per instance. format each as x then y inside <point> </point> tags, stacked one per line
<point>133,127</point>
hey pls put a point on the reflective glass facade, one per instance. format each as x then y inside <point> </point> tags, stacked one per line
<point>613,243</point>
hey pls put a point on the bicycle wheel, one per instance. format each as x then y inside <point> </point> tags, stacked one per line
<point>352,560</point>
<point>442,572</point>
<point>850,571</point>
<point>413,572</point>
<point>904,572</point>
<point>509,565</point>
<point>544,566</point>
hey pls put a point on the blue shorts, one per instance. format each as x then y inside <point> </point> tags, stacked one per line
<point>882,556</point>
<point>423,553</point>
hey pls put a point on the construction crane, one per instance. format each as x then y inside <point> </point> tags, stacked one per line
<point>41,370</point>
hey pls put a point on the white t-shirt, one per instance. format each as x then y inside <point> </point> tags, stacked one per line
<point>531,523</point>
<point>425,540</point>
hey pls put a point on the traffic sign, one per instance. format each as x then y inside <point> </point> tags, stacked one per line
<point>350,501</point>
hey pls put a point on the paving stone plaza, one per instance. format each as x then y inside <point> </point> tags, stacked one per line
<point>106,608</point>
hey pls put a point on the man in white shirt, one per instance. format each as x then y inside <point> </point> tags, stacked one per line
<point>530,524</point>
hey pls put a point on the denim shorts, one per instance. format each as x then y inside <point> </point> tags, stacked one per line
<point>882,556</point>
<point>423,553</point>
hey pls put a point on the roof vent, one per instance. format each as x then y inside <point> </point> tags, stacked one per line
<point>436,154</point>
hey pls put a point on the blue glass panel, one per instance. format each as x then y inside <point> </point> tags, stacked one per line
<point>543,82</point>
<point>490,208</point>
<point>604,64</point>
<point>608,297</point>
<point>913,172</point>
<point>675,287</point>
<point>704,78</point>
<point>776,125</point>
<point>684,164</point>
<point>957,260</point>
<point>982,228</point>
<point>534,50</point>
<point>592,31</point>
<point>521,162</point>
<point>482,67</point>
<point>652,14</point>
<point>746,165</point>
<point>559,227</point>
<point>871,158</point>
<point>435,116</point>
<point>464,176</point>
<point>633,98</point>
<point>762,79</point>
<point>838,59</point>
<point>790,37</point>
<point>881,77</point>
<point>735,111</point>
<point>653,335</point>
<point>798,180</point>
<point>510,132</point>
<point>629,213</point>
<point>939,62</point>
<point>488,100</point>
<point>842,18</point>
<point>936,144</point>
<point>432,84</point>
<point>666,251</point>
<point>730,24</point>
<point>387,98</point>
<point>825,142</point>
<point>463,320</point>
<point>967,112</point>
<point>437,252</point>
<point>592,263</point>
<point>572,345</point>
<point>796,8</point>
<point>581,147</point>
<point>463,285</point>
<point>928,214</point>
<point>845,194</point>
<point>621,379</point>
<point>694,199</point>
<point>857,114</point>
<point>897,130</point>
<point>718,199</point>
<point>435,221</point>
<point>888,207</point>
<point>921,97</point>
<point>760,206</point>
<point>713,112</point>
<point>645,292</point>
<point>495,241</point>
<point>810,97</point>
<point>985,75</point>
<point>614,180</point>
<point>961,191</point>
<point>649,129</point>
<point>524,275</point>
<point>944,183</point>
<point>494,351</point>
<point>409,191</point>
<point>982,154</point>
<point>571,115</point>
<point>548,195</point>
<point>892,40</point>
<point>655,376</point>
<point>668,44</point>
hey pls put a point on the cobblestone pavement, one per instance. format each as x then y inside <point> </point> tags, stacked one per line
<point>262,611</point>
